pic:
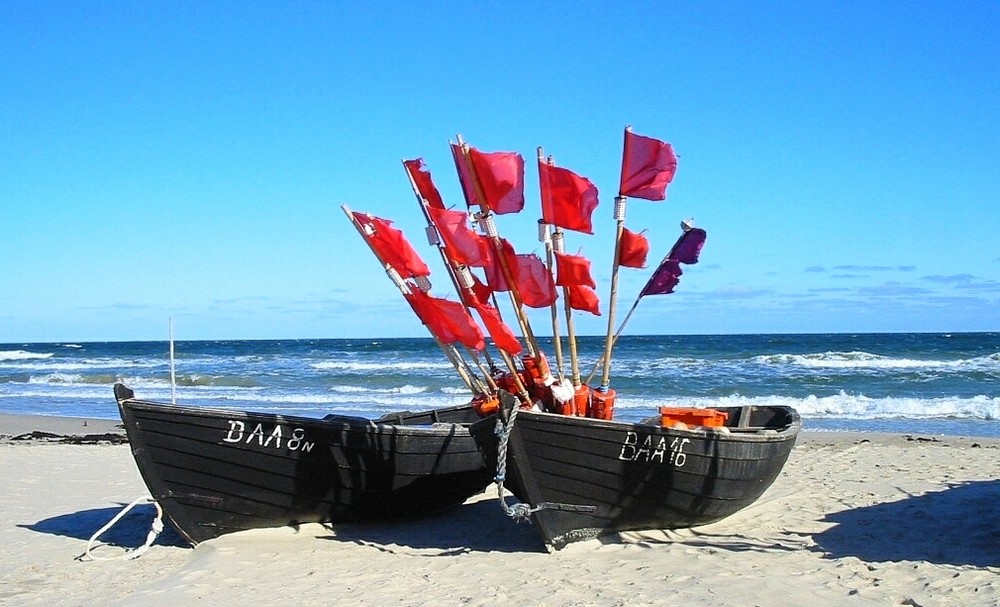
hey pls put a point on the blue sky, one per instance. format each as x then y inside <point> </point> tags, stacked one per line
<point>188,160</point>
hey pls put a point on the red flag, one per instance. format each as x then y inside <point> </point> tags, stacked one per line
<point>448,320</point>
<point>465,175</point>
<point>534,282</point>
<point>494,271</point>
<point>582,297</point>
<point>391,246</point>
<point>422,178</point>
<point>480,290</point>
<point>568,200</point>
<point>573,270</point>
<point>501,177</point>
<point>463,245</point>
<point>634,249</point>
<point>648,166</point>
<point>502,335</point>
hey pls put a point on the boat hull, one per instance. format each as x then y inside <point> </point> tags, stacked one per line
<point>597,477</point>
<point>217,471</point>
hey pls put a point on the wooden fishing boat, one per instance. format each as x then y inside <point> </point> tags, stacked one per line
<point>581,478</point>
<point>216,471</point>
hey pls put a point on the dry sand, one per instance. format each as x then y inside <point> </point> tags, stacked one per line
<point>852,520</point>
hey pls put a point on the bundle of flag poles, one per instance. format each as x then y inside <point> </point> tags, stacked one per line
<point>482,264</point>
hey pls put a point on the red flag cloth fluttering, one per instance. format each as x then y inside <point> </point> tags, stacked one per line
<point>634,249</point>
<point>648,166</point>
<point>534,282</point>
<point>503,336</point>
<point>425,186</point>
<point>582,297</point>
<point>568,200</point>
<point>463,245</point>
<point>494,271</point>
<point>391,246</point>
<point>573,270</point>
<point>465,176</point>
<point>501,177</point>
<point>448,320</point>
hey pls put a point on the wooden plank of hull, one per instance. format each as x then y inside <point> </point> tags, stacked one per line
<point>636,475</point>
<point>216,471</point>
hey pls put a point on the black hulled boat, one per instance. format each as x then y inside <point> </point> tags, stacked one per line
<point>216,471</point>
<point>584,477</point>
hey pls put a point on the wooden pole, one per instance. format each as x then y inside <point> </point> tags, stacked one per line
<point>609,343</point>
<point>545,237</point>
<point>487,222</point>
<point>453,355</point>
<point>434,238</point>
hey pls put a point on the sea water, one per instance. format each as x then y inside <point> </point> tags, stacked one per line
<point>909,383</point>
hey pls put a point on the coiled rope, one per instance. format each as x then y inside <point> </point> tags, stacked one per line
<point>519,512</point>
<point>155,528</point>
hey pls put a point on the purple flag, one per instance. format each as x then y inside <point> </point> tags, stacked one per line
<point>664,279</point>
<point>668,273</point>
<point>688,246</point>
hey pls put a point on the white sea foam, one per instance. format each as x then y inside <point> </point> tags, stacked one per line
<point>377,366</point>
<point>6,355</point>
<point>845,406</point>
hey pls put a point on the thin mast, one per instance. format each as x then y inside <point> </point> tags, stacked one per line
<point>450,351</point>
<point>545,236</point>
<point>488,224</point>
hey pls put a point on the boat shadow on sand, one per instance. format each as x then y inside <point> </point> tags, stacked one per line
<point>959,525</point>
<point>129,532</point>
<point>478,526</point>
<point>471,527</point>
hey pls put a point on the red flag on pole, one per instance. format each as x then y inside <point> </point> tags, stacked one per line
<point>502,335</point>
<point>573,270</point>
<point>534,282</point>
<point>463,245</point>
<point>422,178</point>
<point>648,166</point>
<point>494,271</point>
<point>634,249</point>
<point>448,320</point>
<point>568,200</point>
<point>501,176</point>
<point>391,246</point>
<point>582,297</point>
<point>465,176</point>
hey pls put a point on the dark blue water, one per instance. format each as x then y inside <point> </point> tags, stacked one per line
<point>920,383</point>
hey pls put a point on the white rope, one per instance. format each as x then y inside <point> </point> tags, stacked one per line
<point>155,528</point>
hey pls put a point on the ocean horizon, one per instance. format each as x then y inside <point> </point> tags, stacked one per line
<point>919,383</point>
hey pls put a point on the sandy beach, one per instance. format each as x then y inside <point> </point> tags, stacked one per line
<point>854,519</point>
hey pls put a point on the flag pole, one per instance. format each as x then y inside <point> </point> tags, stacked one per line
<point>434,238</point>
<point>461,367</point>
<point>546,237</point>
<point>620,203</point>
<point>488,224</point>
<point>686,226</point>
